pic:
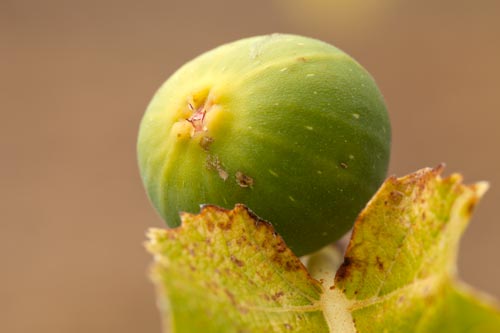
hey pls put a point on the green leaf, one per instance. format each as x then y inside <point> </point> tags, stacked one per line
<point>228,271</point>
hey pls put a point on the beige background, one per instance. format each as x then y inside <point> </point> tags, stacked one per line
<point>75,77</point>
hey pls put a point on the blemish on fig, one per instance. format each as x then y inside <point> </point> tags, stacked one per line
<point>223,174</point>
<point>213,163</point>
<point>343,165</point>
<point>205,142</point>
<point>309,128</point>
<point>244,180</point>
<point>355,115</point>
<point>292,199</point>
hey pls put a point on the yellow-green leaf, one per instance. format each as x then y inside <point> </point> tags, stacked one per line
<point>228,271</point>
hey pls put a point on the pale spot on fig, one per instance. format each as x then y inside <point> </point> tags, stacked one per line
<point>310,75</point>
<point>213,163</point>
<point>319,172</point>
<point>272,172</point>
<point>223,174</point>
<point>351,157</point>
<point>292,199</point>
<point>244,180</point>
<point>283,69</point>
<point>355,115</point>
<point>343,165</point>
<point>309,128</point>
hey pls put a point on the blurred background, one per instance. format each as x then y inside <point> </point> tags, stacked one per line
<point>76,76</point>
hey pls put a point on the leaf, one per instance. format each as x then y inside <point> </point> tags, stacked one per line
<point>228,271</point>
<point>399,270</point>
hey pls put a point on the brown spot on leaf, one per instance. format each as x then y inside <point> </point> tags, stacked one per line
<point>237,261</point>
<point>241,240</point>
<point>210,225</point>
<point>281,247</point>
<point>244,180</point>
<point>225,225</point>
<point>380,264</point>
<point>396,197</point>
<point>293,265</point>
<point>470,206</point>
<point>277,295</point>
<point>231,297</point>
<point>344,270</point>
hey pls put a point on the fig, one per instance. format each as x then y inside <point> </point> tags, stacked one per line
<point>290,126</point>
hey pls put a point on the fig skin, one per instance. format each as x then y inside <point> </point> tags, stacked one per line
<point>290,126</point>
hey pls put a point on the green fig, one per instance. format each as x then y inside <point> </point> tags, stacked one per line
<point>290,126</point>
